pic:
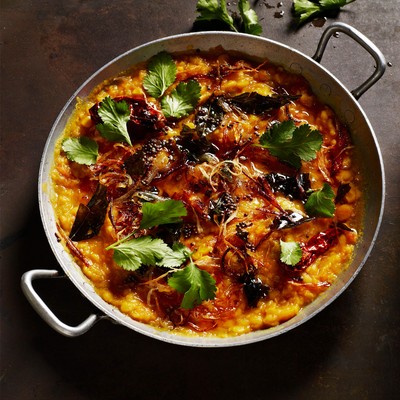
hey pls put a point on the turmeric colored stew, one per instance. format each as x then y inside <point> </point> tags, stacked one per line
<point>206,194</point>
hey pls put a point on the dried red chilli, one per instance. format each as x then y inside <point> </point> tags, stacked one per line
<point>315,247</point>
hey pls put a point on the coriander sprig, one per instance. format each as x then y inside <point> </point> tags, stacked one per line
<point>82,150</point>
<point>196,284</point>
<point>306,9</point>
<point>291,252</point>
<point>132,253</point>
<point>321,202</point>
<point>292,144</point>
<point>217,10</point>
<point>114,116</point>
<point>161,74</point>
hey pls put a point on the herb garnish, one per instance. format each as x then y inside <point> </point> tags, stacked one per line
<point>211,10</point>
<point>132,254</point>
<point>82,150</point>
<point>161,74</point>
<point>291,253</point>
<point>321,202</point>
<point>182,100</point>
<point>162,212</point>
<point>197,285</point>
<point>306,9</point>
<point>250,18</point>
<point>115,115</point>
<point>215,10</point>
<point>292,144</point>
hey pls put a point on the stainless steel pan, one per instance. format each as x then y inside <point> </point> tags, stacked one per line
<point>325,86</point>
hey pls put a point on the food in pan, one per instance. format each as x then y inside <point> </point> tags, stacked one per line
<point>207,194</point>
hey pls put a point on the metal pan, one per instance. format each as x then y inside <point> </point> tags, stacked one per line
<point>325,86</point>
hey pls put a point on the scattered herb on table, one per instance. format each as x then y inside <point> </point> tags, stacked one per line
<point>306,9</point>
<point>292,144</point>
<point>114,116</point>
<point>217,10</point>
<point>82,150</point>
<point>249,18</point>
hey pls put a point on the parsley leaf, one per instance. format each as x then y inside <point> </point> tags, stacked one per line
<point>211,10</point>
<point>250,18</point>
<point>161,74</point>
<point>197,285</point>
<point>82,150</point>
<point>182,100</point>
<point>115,115</point>
<point>292,144</point>
<point>321,202</point>
<point>132,254</point>
<point>162,212</point>
<point>306,9</point>
<point>291,252</point>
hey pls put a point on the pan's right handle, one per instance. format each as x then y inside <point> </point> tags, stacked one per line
<point>43,310</point>
<point>364,42</point>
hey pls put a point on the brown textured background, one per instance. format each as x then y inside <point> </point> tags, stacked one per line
<point>349,351</point>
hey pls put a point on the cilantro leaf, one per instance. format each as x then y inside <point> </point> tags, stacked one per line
<point>197,285</point>
<point>115,115</point>
<point>162,212</point>
<point>321,203</point>
<point>250,18</point>
<point>306,9</point>
<point>82,150</point>
<point>132,254</point>
<point>161,74</point>
<point>292,144</point>
<point>291,252</point>
<point>211,10</point>
<point>182,100</point>
<point>176,257</point>
<point>334,4</point>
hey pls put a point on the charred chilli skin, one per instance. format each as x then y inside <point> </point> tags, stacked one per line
<point>90,218</point>
<point>158,163</point>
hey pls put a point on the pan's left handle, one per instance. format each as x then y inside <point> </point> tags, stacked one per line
<point>380,61</point>
<point>44,311</point>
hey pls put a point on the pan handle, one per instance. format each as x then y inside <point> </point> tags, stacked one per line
<point>379,58</point>
<point>43,310</point>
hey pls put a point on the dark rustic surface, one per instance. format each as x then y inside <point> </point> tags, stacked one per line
<point>349,351</point>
